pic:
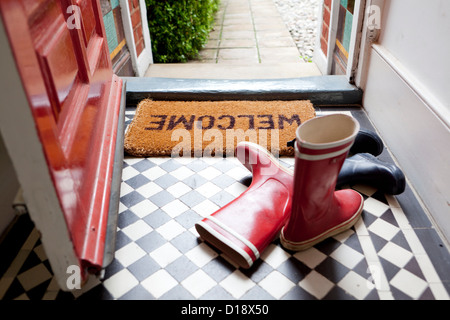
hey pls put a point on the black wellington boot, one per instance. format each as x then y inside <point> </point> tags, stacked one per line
<point>365,141</point>
<point>364,168</point>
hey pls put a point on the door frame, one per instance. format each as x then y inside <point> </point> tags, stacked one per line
<point>323,62</point>
<point>320,59</point>
<point>142,62</point>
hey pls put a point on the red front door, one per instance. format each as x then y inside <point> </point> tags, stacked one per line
<point>62,57</point>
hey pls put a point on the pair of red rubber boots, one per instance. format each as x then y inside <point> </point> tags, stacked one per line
<point>302,207</point>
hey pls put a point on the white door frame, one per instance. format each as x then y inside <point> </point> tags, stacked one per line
<point>141,63</point>
<point>323,62</point>
<point>355,39</point>
<point>369,35</point>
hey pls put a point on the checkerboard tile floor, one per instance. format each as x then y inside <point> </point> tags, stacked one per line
<point>393,252</point>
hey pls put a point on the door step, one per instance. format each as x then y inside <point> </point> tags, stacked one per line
<point>233,71</point>
<point>320,90</point>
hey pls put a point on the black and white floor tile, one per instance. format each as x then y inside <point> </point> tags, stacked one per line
<point>393,252</point>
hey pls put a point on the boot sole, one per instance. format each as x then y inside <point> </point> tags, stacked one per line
<point>215,238</point>
<point>306,244</point>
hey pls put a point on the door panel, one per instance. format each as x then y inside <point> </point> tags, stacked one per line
<point>88,18</point>
<point>59,64</point>
<point>75,101</point>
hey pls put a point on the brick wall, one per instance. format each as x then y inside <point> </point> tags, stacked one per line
<point>136,23</point>
<point>325,26</point>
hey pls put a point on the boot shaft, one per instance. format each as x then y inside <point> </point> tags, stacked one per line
<point>318,211</point>
<point>321,148</point>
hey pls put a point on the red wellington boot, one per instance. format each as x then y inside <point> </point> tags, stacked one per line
<point>247,225</point>
<point>318,211</point>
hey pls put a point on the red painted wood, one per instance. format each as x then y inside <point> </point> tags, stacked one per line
<point>75,100</point>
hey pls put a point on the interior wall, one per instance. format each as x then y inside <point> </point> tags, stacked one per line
<point>8,188</point>
<point>417,35</point>
<point>405,79</point>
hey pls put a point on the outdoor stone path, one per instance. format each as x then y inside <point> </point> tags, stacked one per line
<point>254,39</point>
<point>249,32</point>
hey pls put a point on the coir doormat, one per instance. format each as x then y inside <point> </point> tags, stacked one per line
<point>213,128</point>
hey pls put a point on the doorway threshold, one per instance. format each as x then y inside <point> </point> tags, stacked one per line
<point>233,71</point>
<point>320,90</point>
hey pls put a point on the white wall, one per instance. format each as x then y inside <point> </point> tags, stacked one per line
<point>417,33</point>
<point>407,94</point>
<point>8,188</point>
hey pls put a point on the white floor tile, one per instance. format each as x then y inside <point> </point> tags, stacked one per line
<point>175,208</point>
<point>128,173</point>
<point>34,276</point>
<point>209,173</point>
<point>198,283</point>
<point>356,285</point>
<point>383,229</point>
<point>410,284</point>
<point>144,208</point>
<point>185,160</point>
<point>211,160</point>
<point>236,189</point>
<point>129,254</point>
<point>276,284</point>
<point>347,256</point>
<point>131,160</point>
<point>159,283</point>
<point>137,230</point>
<point>201,254</point>
<point>316,284</point>
<point>208,189</point>
<point>395,254</point>
<point>311,257</point>
<point>120,283</point>
<point>237,284</point>
<point>179,189</point>
<point>274,255</point>
<point>149,189</point>
<point>206,208</point>
<point>238,172</point>
<point>154,173</point>
<point>182,173</point>
<point>375,207</point>
<point>125,189</point>
<point>159,160</point>
<point>343,236</point>
<point>170,230</point>
<point>40,251</point>
<point>165,254</point>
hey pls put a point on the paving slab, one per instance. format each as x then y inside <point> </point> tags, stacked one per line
<point>249,40</point>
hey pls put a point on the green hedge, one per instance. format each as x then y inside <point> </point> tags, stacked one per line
<point>179,28</point>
